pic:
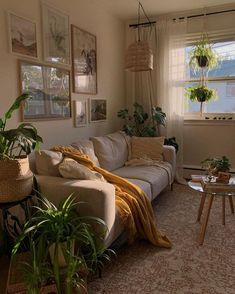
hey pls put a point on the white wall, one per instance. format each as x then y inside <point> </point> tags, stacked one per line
<point>110,35</point>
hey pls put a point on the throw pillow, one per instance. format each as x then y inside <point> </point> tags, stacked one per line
<point>111,150</point>
<point>150,147</point>
<point>71,169</point>
<point>87,147</point>
<point>47,162</point>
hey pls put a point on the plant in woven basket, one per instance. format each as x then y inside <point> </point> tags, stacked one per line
<point>16,179</point>
<point>55,230</point>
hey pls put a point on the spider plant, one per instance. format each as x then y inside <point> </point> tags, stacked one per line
<point>61,227</point>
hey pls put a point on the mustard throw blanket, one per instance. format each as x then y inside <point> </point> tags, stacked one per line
<point>134,207</point>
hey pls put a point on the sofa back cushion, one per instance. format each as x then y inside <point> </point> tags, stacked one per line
<point>86,146</point>
<point>111,150</point>
<point>47,162</point>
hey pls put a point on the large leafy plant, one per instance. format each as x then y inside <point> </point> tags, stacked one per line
<point>21,140</point>
<point>140,124</point>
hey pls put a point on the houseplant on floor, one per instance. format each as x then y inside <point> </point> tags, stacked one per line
<point>16,179</point>
<point>141,124</point>
<point>56,230</point>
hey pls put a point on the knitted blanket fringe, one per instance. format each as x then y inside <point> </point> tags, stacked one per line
<point>134,207</point>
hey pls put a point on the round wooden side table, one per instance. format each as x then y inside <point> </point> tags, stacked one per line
<point>211,195</point>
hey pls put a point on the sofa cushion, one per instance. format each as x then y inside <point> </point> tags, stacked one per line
<point>87,147</point>
<point>47,162</point>
<point>157,177</point>
<point>71,169</point>
<point>145,186</point>
<point>150,147</point>
<point>111,150</point>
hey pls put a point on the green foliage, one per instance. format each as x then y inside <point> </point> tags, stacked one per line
<point>22,139</point>
<point>53,226</point>
<point>216,164</point>
<point>203,50</point>
<point>200,93</point>
<point>139,123</point>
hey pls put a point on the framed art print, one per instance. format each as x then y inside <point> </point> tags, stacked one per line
<point>22,36</point>
<point>80,113</point>
<point>98,110</point>
<point>84,61</point>
<point>56,35</point>
<point>49,88</point>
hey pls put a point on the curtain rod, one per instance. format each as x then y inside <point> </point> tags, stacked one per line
<point>203,14</point>
<point>136,25</point>
<point>182,17</point>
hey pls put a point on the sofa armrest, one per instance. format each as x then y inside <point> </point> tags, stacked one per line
<point>98,197</point>
<point>169,155</point>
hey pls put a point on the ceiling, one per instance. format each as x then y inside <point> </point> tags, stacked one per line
<point>127,9</point>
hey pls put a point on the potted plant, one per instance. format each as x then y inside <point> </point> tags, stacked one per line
<point>202,55</point>
<point>216,164</point>
<point>201,94</point>
<point>140,124</point>
<point>16,178</point>
<point>56,230</point>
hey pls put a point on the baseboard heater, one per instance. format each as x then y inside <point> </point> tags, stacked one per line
<point>197,170</point>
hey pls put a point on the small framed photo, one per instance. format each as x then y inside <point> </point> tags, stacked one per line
<point>22,36</point>
<point>49,88</point>
<point>98,110</point>
<point>56,35</point>
<point>84,61</point>
<point>80,113</point>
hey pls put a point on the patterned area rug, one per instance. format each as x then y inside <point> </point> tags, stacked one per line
<point>187,268</point>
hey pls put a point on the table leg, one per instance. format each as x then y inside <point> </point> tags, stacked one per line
<point>223,210</point>
<point>231,203</point>
<point>204,225</point>
<point>203,198</point>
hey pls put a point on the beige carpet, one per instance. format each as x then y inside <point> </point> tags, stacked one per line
<point>185,269</point>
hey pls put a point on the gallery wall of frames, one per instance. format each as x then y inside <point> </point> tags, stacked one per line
<point>69,56</point>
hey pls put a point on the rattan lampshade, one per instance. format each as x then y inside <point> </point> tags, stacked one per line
<point>139,57</point>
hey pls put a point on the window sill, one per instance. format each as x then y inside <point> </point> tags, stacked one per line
<point>208,122</point>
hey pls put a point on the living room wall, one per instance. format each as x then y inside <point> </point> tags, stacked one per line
<point>110,35</point>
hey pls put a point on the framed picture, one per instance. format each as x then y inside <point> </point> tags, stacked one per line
<point>50,91</point>
<point>84,61</point>
<point>22,36</point>
<point>98,110</point>
<point>56,35</point>
<point>80,113</point>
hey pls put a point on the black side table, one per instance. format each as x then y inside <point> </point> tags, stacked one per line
<point>12,225</point>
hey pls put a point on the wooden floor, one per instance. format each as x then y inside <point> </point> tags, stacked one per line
<point>4,265</point>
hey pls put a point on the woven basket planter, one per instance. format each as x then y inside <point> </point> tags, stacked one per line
<point>16,179</point>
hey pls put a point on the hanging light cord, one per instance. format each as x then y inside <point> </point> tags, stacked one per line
<point>140,5</point>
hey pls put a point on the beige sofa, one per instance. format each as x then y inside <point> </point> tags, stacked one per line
<point>110,152</point>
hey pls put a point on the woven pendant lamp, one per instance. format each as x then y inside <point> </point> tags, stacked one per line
<point>139,55</point>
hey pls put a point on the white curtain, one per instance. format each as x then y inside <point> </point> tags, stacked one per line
<point>165,84</point>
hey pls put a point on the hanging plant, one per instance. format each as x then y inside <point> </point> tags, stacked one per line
<point>200,93</point>
<point>203,55</point>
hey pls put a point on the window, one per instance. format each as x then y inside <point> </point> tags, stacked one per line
<point>222,79</point>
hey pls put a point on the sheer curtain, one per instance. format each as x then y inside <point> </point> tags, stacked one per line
<point>164,86</point>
